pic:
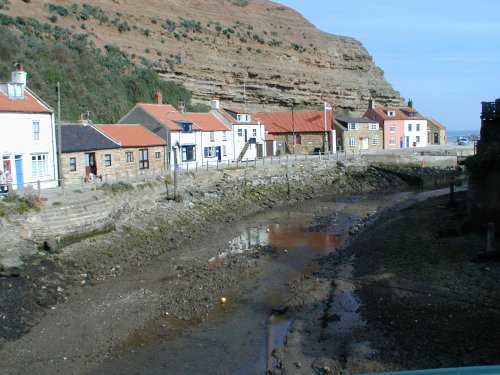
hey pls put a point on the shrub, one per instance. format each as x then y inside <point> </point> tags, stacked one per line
<point>59,9</point>
<point>53,18</point>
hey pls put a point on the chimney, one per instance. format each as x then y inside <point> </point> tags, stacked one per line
<point>371,104</point>
<point>410,103</point>
<point>215,105</point>
<point>182,107</point>
<point>158,98</point>
<point>19,75</point>
<point>85,117</point>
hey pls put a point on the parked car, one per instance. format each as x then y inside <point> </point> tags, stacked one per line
<point>462,141</point>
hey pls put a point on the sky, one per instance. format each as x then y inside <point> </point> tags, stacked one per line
<point>444,55</point>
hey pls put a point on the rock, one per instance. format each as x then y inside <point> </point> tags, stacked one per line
<point>280,309</point>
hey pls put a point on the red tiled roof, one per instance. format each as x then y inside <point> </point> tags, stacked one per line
<point>398,114</point>
<point>166,114</point>
<point>408,110</point>
<point>131,135</point>
<point>207,121</point>
<point>28,104</point>
<point>302,121</point>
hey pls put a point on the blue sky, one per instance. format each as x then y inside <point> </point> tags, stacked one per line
<point>442,54</point>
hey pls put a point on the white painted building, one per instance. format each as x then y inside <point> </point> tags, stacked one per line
<point>27,141</point>
<point>248,136</point>
<point>415,127</point>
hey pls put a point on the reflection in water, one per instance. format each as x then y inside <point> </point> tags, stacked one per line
<point>285,237</point>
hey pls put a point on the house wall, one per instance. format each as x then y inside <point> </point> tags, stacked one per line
<point>17,147</point>
<point>441,135</point>
<point>411,135</point>
<point>119,165</point>
<point>308,142</point>
<point>253,131</point>
<point>219,140</point>
<point>358,135</point>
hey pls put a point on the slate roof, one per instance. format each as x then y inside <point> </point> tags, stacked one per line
<point>29,104</point>
<point>207,121</point>
<point>416,115</point>
<point>76,138</point>
<point>358,120</point>
<point>431,121</point>
<point>131,135</point>
<point>302,121</point>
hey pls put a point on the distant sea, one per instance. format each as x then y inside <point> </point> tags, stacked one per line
<point>451,135</point>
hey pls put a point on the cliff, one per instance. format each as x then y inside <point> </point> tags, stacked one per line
<point>253,51</point>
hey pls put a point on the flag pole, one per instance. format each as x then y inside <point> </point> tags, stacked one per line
<point>325,136</point>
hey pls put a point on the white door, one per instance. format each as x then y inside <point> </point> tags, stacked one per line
<point>364,143</point>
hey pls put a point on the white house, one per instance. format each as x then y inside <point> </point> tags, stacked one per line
<point>248,136</point>
<point>415,127</point>
<point>27,128</point>
<point>213,139</point>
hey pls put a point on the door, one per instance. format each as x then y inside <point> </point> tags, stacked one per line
<point>407,141</point>
<point>19,172</point>
<point>90,165</point>
<point>436,138</point>
<point>218,153</point>
<point>364,143</point>
<point>246,135</point>
<point>259,150</point>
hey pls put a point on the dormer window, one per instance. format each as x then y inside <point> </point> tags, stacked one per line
<point>390,113</point>
<point>243,118</point>
<point>412,114</point>
<point>352,126</point>
<point>187,127</point>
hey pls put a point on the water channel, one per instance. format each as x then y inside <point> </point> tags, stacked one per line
<point>239,335</point>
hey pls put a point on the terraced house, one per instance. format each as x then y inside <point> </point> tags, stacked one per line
<point>27,135</point>
<point>358,134</point>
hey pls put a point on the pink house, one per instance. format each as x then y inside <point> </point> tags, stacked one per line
<point>391,121</point>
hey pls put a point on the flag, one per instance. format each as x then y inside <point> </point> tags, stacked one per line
<point>328,106</point>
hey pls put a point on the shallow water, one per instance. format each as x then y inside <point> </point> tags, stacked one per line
<point>240,334</point>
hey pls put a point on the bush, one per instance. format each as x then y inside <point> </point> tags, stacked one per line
<point>59,9</point>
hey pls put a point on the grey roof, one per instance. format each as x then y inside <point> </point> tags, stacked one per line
<point>356,120</point>
<point>76,138</point>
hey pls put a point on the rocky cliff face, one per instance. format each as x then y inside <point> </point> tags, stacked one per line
<point>238,51</point>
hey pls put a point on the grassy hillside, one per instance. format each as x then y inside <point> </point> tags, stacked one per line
<point>104,81</point>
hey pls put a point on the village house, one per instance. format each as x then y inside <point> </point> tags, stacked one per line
<point>301,132</point>
<point>107,152</point>
<point>392,122</point>
<point>358,134</point>
<point>436,132</point>
<point>27,141</point>
<point>248,135</point>
<point>415,128</point>
<point>214,138</point>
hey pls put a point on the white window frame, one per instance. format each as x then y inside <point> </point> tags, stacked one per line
<point>375,140</point>
<point>417,139</point>
<point>72,164</point>
<point>129,156</point>
<point>107,160</point>
<point>224,136</point>
<point>351,141</point>
<point>373,126</point>
<point>352,126</point>
<point>254,132</point>
<point>240,132</point>
<point>418,127</point>
<point>392,140</point>
<point>409,127</point>
<point>224,151</point>
<point>36,130</point>
<point>392,128</point>
<point>40,165</point>
<point>212,136</point>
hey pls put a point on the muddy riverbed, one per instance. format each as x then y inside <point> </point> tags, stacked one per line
<point>295,304</point>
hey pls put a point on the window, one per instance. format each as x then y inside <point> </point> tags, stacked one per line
<point>375,141</point>
<point>390,113</point>
<point>392,128</point>
<point>240,132</point>
<point>212,137</point>
<point>188,153</point>
<point>72,164</point>
<point>409,127</point>
<point>243,118</point>
<point>224,152</point>
<point>418,127</point>
<point>107,160</point>
<point>352,126</point>
<point>298,139</point>
<point>418,139</point>
<point>372,126</point>
<point>392,140</point>
<point>187,127</point>
<point>254,132</point>
<point>210,152</point>
<point>224,136</point>
<point>143,158</point>
<point>129,156</point>
<point>36,130</point>
<point>352,141</point>
<point>157,155</point>
<point>39,165</point>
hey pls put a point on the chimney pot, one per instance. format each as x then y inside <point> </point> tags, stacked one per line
<point>410,103</point>
<point>182,106</point>
<point>158,97</point>
<point>215,105</point>
<point>371,104</point>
